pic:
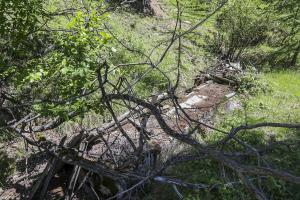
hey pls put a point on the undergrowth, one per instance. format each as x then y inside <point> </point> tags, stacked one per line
<point>279,104</point>
<point>7,167</point>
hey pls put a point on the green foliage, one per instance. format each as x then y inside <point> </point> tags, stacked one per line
<point>281,104</point>
<point>260,32</point>
<point>68,69</point>
<point>194,9</point>
<point>240,26</point>
<point>285,38</point>
<point>271,91</point>
<point>142,35</point>
<point>251,83</point>
<point>203,171</point>
<point>284,95</point>
<point>50,69</point>
<point>208,172</point>
<point>19,22</point>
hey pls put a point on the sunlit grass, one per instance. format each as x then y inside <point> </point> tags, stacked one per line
<point>279,104</point>
<point>282,103</point>
<point>287,82</point>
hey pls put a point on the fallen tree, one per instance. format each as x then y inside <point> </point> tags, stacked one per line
<point>127,158</point>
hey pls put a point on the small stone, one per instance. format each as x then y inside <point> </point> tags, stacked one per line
<point>233,105</point>
<point>230,95</point>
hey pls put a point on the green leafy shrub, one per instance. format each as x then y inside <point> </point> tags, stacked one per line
<point>240,26</point>
<point>261,32</point>
<point>251,83</point>
<point>285,35</point>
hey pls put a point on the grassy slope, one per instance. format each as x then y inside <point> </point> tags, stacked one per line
<point>144,33</point>
<point>278,100</point>
<point>280,104</point>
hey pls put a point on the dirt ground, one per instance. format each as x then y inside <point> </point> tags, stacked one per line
<point>199,104</point>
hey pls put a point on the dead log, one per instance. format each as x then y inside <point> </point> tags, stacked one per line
<point>53,166</point>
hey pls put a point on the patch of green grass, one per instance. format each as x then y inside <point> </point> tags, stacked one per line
<point>282,104</point>
<point>144,34</point>
<point>286,82</point>
<point>278,104</point>
<point>276,98</point>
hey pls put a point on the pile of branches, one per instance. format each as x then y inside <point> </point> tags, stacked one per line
<point>129,164</point>
<point>126,162</point>
<point>222,72</point>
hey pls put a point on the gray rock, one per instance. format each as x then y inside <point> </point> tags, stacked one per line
<point>232,105</point>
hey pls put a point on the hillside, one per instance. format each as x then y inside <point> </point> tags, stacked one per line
<point>155,99</point>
